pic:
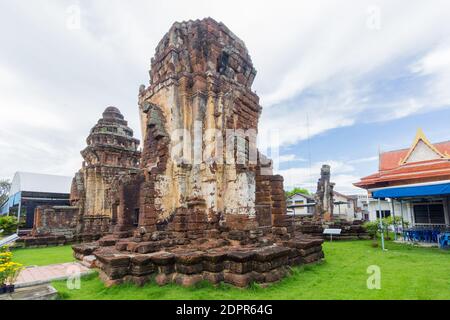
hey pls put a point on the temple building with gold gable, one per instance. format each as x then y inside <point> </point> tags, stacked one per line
<point>415,181</point>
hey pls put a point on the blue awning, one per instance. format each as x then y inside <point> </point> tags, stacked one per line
<point>417,191</point>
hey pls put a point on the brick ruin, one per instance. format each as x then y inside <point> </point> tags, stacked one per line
<point>204,204</point>
<point>324,195</point>
<point>111,152</point>
<point>324,218</point>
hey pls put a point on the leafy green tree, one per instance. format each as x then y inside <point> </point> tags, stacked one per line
<point>5,186</point>
<point>297,190</point>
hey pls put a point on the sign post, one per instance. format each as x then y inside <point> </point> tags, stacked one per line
<point>332,232</point>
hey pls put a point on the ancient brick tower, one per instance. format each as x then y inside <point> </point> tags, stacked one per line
<point>111,151</point>
<point>204,204</point>
<point>199,116</point>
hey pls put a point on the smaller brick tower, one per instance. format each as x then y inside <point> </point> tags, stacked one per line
<point>111,151</point>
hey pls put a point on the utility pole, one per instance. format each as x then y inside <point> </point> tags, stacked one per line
<point>393,217</point>
<point>381,225</point>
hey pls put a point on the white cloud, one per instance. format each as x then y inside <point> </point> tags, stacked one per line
<point>315,58</point>
<point>290,158</point>
<point>363,160</point>
<point>343,174</point>
<point>435,65</point>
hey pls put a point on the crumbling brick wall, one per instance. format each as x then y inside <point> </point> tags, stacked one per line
<point>200,82</point>
<point>49,220</point>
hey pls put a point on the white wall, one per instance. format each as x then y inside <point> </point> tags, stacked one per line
<point>386,205</point>
<point>299,200</point>
<point>346,210</point>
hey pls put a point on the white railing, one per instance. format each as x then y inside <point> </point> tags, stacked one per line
<point>431,225</point>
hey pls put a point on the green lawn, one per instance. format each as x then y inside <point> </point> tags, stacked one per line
<point>43,256</point>
<point>406,273</point>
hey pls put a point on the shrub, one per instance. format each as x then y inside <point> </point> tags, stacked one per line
<point>8,224</point>
<point>372,228</point>
<point>8,270</point>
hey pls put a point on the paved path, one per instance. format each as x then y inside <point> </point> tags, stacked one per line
<point>32,276</point>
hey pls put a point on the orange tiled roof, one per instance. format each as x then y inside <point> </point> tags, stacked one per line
<point>390,160</point>
<point>419,170</point>
<point>393,169</point>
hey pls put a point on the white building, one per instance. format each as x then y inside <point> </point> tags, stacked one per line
<point>304,205</point>
<point>361,206</point>
<point>413,184</point>
<point>401,209</point>
<point>301,205</point>
<point>345,207</point>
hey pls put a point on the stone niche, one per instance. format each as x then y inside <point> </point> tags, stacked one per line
<point>204,204</point>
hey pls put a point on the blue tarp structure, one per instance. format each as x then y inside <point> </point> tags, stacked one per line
<point>12,201</point>
<point>417,191</point>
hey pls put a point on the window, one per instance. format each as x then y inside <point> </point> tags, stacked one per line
<point>429,213</point>
<point>384,213</point>
<point>136,217</point>
<point>247,150</point>
<point>299,202</point>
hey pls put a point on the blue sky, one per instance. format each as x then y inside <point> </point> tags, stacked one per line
<point>365,74</point>
<point>358,146</point>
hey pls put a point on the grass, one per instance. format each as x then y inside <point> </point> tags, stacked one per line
<point>43,256</point>
<point>406,273</point>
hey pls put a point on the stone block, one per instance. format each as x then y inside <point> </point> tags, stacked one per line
<point>107,242</point>
<point>121,246</point>
<point>271,253</point>
<point>307,252</point>
<point>147,247</point>
<point>275,275</point>
<point>85,249</point>
<point>213,266</point>
<point>188,280</point>
<point>189,258</point>
<point>241,256</point>
<point>240,267</point>
<point>189,268</point>
<point>213,277</point>
<point>162,258</point>
<point>238,280</point>
<point>142,270</point>
<point>89,261</point>
<point>114,260</point>
<point>131,246</point>
<point>139,281</point>
<point>163,279</point>
<point>315,257</point>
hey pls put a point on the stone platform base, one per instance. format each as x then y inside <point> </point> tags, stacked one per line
<point>54,241</point>
<point>41,292</point>
<point>350,230</point>
<point>187,262</point>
